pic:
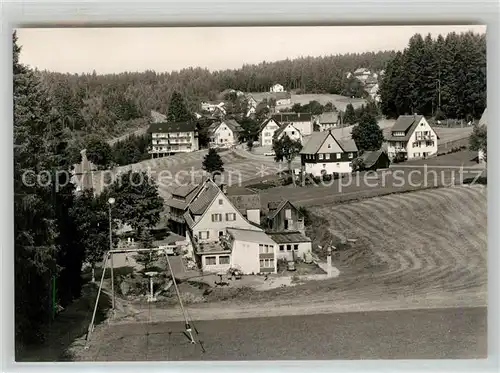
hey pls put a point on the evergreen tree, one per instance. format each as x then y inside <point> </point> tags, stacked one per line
<point>44,239</point>
<point>349,115</point>
<point>445,77</point>
<point>98,152</point>
<point>212,163</point>
<point>177,110</point>
<point>367,134</point>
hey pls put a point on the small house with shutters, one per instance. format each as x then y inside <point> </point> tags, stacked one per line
<point>323,154</point>
<point>285,225</point>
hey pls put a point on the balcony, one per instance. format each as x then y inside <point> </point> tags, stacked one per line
<point>424,137</point>
<point>207,247</point>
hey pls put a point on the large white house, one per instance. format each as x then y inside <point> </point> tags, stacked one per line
<point>323,154</point>
<point>302,121</point>
<point>289,130</point>
<point>277,88</point>
<point>225,133</point>
<point>208,217</point>
<point>266,132</point>
<point>173,137</point>
<point>411,137</point>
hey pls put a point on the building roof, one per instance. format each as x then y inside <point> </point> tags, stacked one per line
<point>176,203</point>
<point>273,205</point>
<point>276,208</point>
<point>484,118</point>
<point>288,237</point>
<point>264,124</point>
<point>188,219</point>
<point>233,125</point>
<point>248,235</point>
<point>283,128</point>
<point>205,198</point>
<point>318,138</point>
<point>158,117</point>
<point>164,127</point>
<point>371,157</point>
<point>328,117</point>
<point>406,124</point>
<point>184,190</point>
<point>171,239</point>
<point>245,202</point>
<point>292,117</point>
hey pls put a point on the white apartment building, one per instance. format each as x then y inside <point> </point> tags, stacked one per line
<point>170,138</point>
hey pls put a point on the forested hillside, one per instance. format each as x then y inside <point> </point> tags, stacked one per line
<point>111,104</point>
<point>450,71</point>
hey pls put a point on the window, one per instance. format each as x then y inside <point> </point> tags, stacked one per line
<point>224,259</point>
<point>221,233</point>
<point>429,143</point>
<point>338,164</point>
<point>210,261</point>
<point>293,132</point>
<point>221,201</point>
<point>230,216</point>
<point>327,156</point>
<point>265,249</point>
<point>324,165</point>
<point>339,155</point>
<point>295,247</point>
<point>286,224</point>
<point>415,144</point>
<point>288,213</point>
<point>321,156</point>
<point>416,154</point>
<point>216,217</point>
<point>204,235</point>
<point>351,155</point>
<point>267,263</point>
<point>267,134</point>
<point>288,247</point>
<point>282,247</point>
<point>329,146</point>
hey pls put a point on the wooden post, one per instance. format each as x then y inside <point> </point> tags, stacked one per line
<point>91,325</point>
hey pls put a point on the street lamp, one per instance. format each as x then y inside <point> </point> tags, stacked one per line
<point>111,201</point>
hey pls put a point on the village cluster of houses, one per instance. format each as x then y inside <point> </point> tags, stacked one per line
<point>369,80</point>
<point>226,231</point>
<point>411,137</point>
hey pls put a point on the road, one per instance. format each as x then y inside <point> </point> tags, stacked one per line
<point>452,333</point>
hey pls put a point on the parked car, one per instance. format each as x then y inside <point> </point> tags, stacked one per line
<point>290,266</point>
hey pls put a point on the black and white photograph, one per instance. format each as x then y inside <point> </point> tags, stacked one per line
<point>250,193</point>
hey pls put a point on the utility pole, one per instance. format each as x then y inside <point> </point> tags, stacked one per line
<point>188,327</point>
<point>110,202</point>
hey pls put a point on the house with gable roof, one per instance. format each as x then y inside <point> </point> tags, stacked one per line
<point>285,225</point>
<point>290,130</point>
<point>225,133</point>
<point>302,121</point>
<point>411,137</point>
<point>220,236</point>
<point>266,132</point>
<point>324,154</point>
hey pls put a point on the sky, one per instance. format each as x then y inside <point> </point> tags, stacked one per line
<point>114,50</point>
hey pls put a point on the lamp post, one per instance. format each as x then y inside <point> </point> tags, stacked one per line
<point>111,201</point>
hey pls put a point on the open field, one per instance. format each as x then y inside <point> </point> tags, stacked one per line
<point>409,334</point>
<point>340,102</point>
